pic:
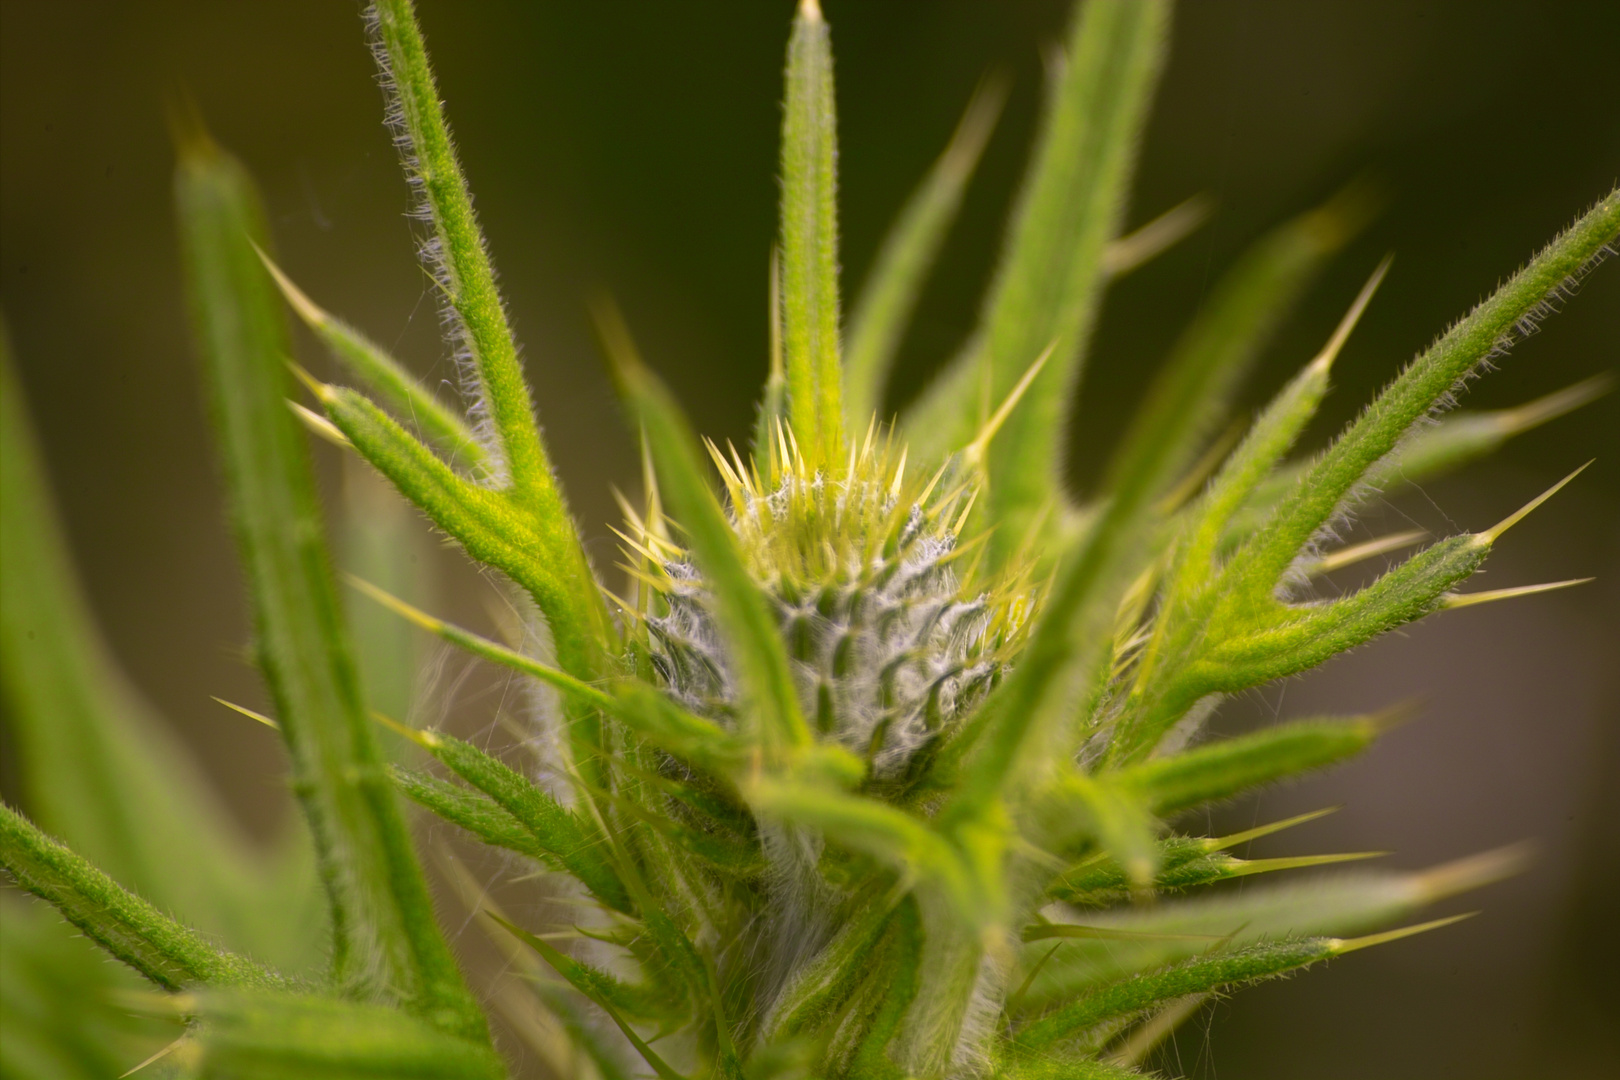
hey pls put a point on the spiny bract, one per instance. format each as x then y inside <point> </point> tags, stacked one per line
<point>874,770</point>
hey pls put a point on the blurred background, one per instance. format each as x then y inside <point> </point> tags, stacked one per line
<point>631,147</point>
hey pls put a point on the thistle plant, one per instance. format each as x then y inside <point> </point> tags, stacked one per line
<point>876,763</point>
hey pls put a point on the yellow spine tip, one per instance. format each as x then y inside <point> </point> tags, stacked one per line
<point>1452,601</point>
<point>1472,872</point>
<point>1340,946</point>
<point>1494,533</point>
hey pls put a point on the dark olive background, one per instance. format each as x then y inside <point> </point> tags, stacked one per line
<point>631,147</point>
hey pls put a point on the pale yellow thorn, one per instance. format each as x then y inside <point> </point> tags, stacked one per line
<point>1340,946</point>
<point>1201,471</point>
<point>899,473</point>
<point>1337,560</point>
<point>320,425</point>
<point>1163,232</point>
<point>421,738</point>
<point>396,605</point>
<point>1221,842</point>
<point>1494,533</point>
<point>974,451</point>
<point>1452,601</point>
<point>1533,413</point>
<point>250,714</point>
<point>810,9</point>
<point>322,392</point>
<point>1246,867</point>
<point>1330,351</point>
<point>1472,872</point>
<point>159,1055</point>
<point>961,521</point>
<point>306,309</point>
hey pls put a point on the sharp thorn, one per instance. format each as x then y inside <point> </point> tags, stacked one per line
<point>320,425</point>
<point>1452,601</point>
<point>1220,843</point>
<point>1472,872</point>
<point>975,450</point>
<point>249,713</point>
<point>1337,560</point>
<point>323,392</point>
<point>1341,334</point>
<point>1494,533</point>
<point>1534,413</point>
<point>1340,946</point>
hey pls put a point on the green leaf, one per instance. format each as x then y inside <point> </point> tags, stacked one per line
<point>1488,331</point>
<point>1141,992</point>
<point>1230,767</point>
<point>96,766</point>
<point>1348,902</point>
<point>371,364</point>
<point>382,914</point>
<point>895,281</point>
<point>543,553</point>
<point>1049,284</point>
<point>471,810</point>
<point>754,644</point>
<point>810,244</point>
<point>569,843</point>
<point>134,931</point>
<point>1193,392</point>
<point>460,259</point>
<point>263,1036</point>
<point>60,1001</point>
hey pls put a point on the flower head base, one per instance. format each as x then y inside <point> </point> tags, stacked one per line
<point>892,632</point>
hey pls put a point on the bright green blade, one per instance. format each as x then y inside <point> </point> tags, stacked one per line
<point>903,262</point>
<point>460,259</point>
<point>134,931</point>
<point>1048,287</point>
<point>387,377</point>
<point>1347,902</point>
<point>1488,330</point>
<point>382,916</point>
<point>265,1036</point>
<point>1192,394</point>
<point>566,590</point>
<point>810,244</point>
<point>97,767</point>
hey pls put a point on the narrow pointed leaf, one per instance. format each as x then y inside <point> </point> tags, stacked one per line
<point>1142,992</point>
<point>569,842</point>
<point>1229,767</point>
<point>387,377</point>
<point>268,1036</point>
<point>1489,330</point>
<point>458,254</point>
<point>810,243</point>
<point>382,914</point>
<point>1191,395</point>
<point>1339,904</point>
<point>1049,283</point>
<point>163,950</point>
